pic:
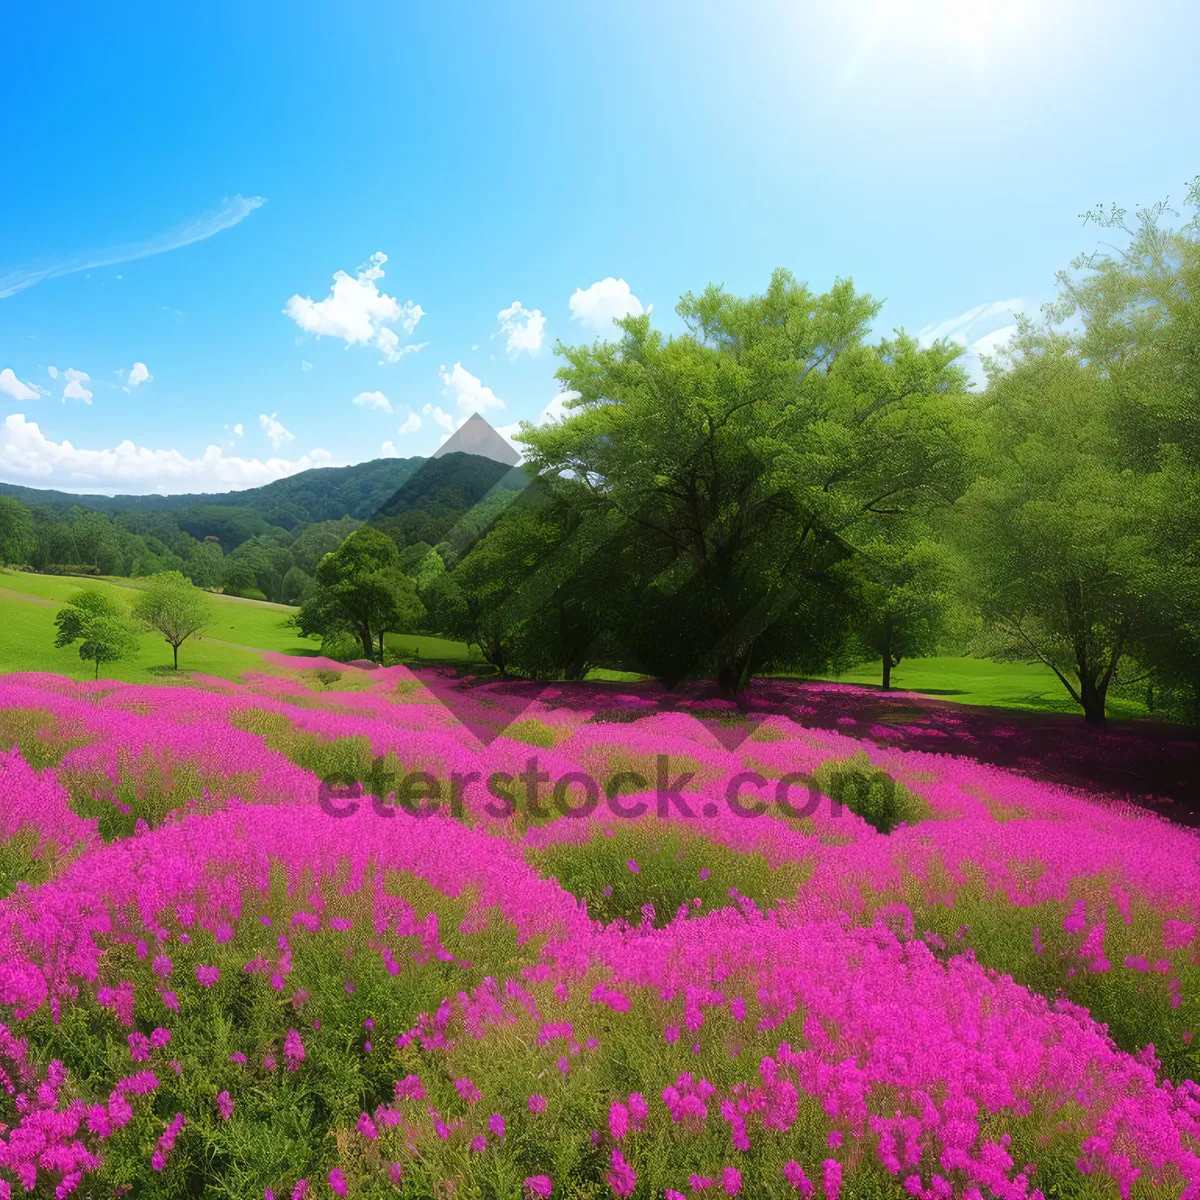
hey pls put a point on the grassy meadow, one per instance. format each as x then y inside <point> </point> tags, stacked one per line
<point>242,628</point>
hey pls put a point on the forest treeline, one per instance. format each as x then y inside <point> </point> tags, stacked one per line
<point>772,490</point>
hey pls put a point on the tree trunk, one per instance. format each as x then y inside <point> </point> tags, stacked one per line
<point>97,674</point>
<point>368,645</point>
<point>175,651</point>
<point>1092,697</point>
<point>381,647</point>
<point>887,672</point>
<point>734,674</point>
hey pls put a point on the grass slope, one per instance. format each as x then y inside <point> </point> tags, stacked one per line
<point>228,648</point>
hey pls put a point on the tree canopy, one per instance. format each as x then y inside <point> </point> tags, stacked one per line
<point>100,624</point>
<point>174,607</point>
<point>359,588</point>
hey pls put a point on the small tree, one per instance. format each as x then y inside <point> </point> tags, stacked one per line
<point>173,606</point>
<point>18,538</point>
<point>99,624</point>
<point>900,602</point>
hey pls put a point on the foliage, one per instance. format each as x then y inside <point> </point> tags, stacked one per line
<point>870,792</point>
<point>17,537</point>
<point>1058,555</point>
<point>650,873</point>
<point>174,607</point>
<point>902,598</point>
<point>747,458</point>
<point>101,626</point>
<point>360,588</point>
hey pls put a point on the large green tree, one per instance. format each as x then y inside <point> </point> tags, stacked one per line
<point>747,457</point>
<point>360,588</point>
<point>1058,554</point>
<point>1138,304</point>
<point>174,607</point>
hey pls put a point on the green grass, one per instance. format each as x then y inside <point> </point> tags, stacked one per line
<point>228,648</point>
<point>979,681</point>
<point>414,647</point>
<point>240,628</point>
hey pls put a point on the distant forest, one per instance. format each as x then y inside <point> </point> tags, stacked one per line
<point>263,543</point>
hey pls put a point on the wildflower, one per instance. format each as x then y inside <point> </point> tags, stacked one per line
<point>621,1178</point>
<point>537,1104</point>
<point>496,1125</point>
<point>539,1186</point>
<point>293,1050</point>
<point>831,1171</point>
<point>731,1179</point>
<point>207,976</point>
<point>467,1090</point>
<point>337,1182</point>
<point>367,1127</point>
<point>618,1120</point>
<point>793,1172</point>
<point>225,1106</point>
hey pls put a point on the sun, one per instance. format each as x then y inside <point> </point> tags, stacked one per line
<point>983,39</point>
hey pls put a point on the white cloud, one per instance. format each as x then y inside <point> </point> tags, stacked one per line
<point>991,342</point>
<point>980,331</point>
<point>604,302</point>
<point>524,328</point>
<point>138,375</point>
<point>10,385</point>
<point>239,429</point>
<point>373,400</point>
<point>173,312</point>
<point>468,392</point>
<point>53,372</point>
<point>959,329</point>
<point>387,341</point>
<point>75,389</point>
<point>27,453</point>
<point>229,214</point>
<point>444,419</point>
<point>389,449</point>
<point>358,312</point>
<point>305,365</point>
<point>275,430</point>
<point>411,424</point>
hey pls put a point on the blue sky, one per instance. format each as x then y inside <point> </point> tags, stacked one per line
<point>527,170</point>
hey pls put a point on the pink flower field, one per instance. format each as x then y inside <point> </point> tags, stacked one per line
<point>367,934</point>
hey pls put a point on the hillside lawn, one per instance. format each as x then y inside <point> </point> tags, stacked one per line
<point>228,647</point>
<point>241,628</point>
